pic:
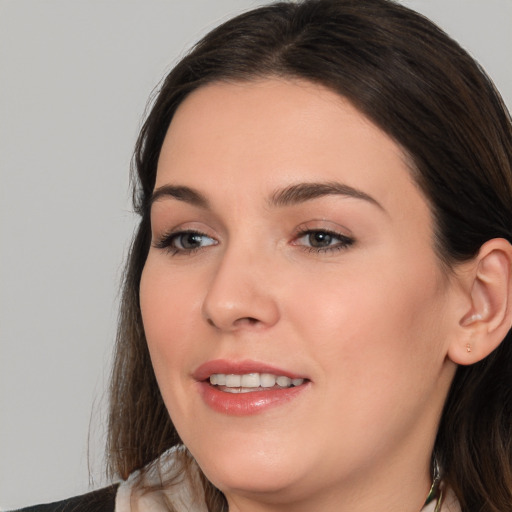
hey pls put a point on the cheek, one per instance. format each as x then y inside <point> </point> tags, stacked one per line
<point>168,307</point>
<point>377,347</point>
<point>378,316</point>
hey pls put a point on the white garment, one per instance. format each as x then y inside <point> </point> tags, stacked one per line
<point>182,495</point>
<point>449,504</point>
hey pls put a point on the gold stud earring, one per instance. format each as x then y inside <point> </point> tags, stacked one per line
<point>468,347</point>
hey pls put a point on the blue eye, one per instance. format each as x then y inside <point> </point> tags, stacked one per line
<point>184,242</point>
<point>321,240</point>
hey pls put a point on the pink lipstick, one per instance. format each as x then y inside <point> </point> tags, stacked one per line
<point>242,388</point>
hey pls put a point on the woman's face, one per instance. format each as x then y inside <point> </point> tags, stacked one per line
<point>289,240</point>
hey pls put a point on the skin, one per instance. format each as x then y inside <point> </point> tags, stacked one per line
<point>369,323</point>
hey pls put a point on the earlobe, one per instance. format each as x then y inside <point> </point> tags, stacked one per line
<point>488,319</point>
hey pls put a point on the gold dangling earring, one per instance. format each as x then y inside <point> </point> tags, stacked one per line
<point>436,492</point>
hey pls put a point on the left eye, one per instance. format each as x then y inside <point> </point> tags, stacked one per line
<point>189,240</point>
<point>184,242</point>
<point>319,239</point>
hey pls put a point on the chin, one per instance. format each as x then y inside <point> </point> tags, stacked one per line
<point>262,471</point>
<point>269,485</point>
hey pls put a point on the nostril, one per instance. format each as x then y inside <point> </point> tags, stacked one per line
<point>247,320</point>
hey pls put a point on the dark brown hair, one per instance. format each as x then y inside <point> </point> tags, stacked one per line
<point>428,94</point>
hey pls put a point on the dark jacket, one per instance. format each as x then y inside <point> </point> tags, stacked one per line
<point>103,500</point>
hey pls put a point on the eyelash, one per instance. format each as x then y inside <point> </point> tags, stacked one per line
<point>167,240</point>
<point>344,241</point>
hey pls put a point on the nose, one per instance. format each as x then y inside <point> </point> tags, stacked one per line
<point>241,293</point>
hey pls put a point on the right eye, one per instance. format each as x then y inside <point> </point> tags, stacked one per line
<point>184,242</point>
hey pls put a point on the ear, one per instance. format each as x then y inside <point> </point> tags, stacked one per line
<point>487,320</point>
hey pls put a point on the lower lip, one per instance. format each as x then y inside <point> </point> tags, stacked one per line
<point>245,404</point>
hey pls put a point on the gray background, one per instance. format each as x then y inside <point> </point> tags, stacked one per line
<point>74,80</point>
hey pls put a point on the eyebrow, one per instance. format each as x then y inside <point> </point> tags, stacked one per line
<point>302,192</point>
<point>288,196</point>
<point>180,193</point>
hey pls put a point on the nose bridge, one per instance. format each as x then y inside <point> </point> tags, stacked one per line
<point>240,293</point>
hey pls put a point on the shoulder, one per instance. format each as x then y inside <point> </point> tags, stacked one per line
<point>102,500</point>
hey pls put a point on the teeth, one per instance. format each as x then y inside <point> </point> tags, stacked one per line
<point>284,382</point>
<point>250,380</point>
<point>244,383</point>
<point>267,380</point>
<point>233,381</point>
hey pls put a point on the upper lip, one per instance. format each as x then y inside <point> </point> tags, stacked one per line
<point>228,367</point>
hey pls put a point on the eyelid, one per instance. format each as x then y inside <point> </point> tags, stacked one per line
<point>323,225</point>
<point>343,241</point>
<point>342,234</point>
<point>165,240</point>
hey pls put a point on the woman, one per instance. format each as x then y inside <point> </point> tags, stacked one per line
<point>317,302</point>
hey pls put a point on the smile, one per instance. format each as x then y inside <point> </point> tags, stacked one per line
<point>251,382</point>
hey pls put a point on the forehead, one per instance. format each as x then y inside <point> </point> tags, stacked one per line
<point>268,134</point>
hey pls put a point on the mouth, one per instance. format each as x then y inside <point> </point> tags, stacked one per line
<point>242,388</point>
<point>252,382</point>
